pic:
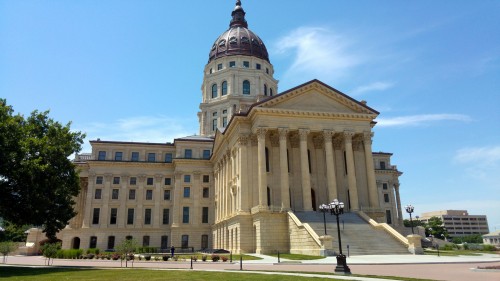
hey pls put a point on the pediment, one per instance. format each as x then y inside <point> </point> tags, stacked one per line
<point>316,96</point>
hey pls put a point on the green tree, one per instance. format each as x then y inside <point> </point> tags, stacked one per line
<point>126,248</point>
<point>14,232</point>
<point>435,227</point>
<point>6,248</point>
<point>37,180</point>
<point>407,223</point>
<point>49,250</point>
<point>474,238</point>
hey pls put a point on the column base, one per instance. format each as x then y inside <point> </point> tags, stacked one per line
<point>342,267</point>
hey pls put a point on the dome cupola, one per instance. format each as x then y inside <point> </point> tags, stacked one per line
<point>238,39</point>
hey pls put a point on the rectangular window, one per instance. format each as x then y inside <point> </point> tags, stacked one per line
<point>149,194</point>
<point>147,216</point>
<point>118,156</point>
<point>257,66</point>
<point>206,178</point>
<point>168,181</point>
<point>188,153</point>
<point>384,186</point>
<point>135,156</point>
<point>114,193</point>
<point>116,180</point>
<point>101,156</point>
<point>98,180</point>
<point>133,181</point>
<point>187,178</point>
<point>187,192</point>
<point>166,194</point>
<point>185,241</point>
<point>93,242</point>
<point>111,242</point>
<point>206,154</point>
<point>112,216</point>
<point>166,216</point>
<point>145,241</point>
<point>204,215</point>
<point>131,194</point>
<point>95,216</point>
<point>267,70</point>
<point>185,214</point>
<point>224,121</point>
<point>219,66</point>
<point>151,157</point>
<point>388,216</point>
<point>232,64</point>
<point>130,216</point>
<point>386,198</point>
<point>214,124</point>
<point>98,192</point>
<point>164,242</point>
<point>206,192</point>
<point>246,64</point>
<point>168,157</point>
<point>382,165</point>
<point>149,181</point>
<point>204,241</point>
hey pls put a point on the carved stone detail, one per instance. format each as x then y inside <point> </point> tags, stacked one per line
<point>303,134</point>
<point>275,139</point>
<point>283,133</point>
<point>318,141</point>
<point>338,141</point>
<point>294,140</point>
<point>253,140</point>
<point>243,140</point>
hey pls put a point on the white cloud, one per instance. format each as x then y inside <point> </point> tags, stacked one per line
<point>418,120</point>
<point>155,129</point>
<point>485,155</point>
<point>318,52</point>
<point>376,86</point>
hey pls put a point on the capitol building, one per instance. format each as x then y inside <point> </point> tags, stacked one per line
<point>251,181</point>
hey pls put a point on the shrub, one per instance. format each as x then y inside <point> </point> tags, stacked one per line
<point>165,257</point>
<point>204,258</point>
<point>449,247</point>
<point>94,251</point>
<point>487,247</point>
<point>90,256</point>
<point>115,256</point>
<point>194,258</point>
<point>215,258</point>
<point>175,258</point>
<point>157,258</point>
<point>224,258</point>
<point>147,257</point>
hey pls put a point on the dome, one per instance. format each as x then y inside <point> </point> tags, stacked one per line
<point>238,39</point>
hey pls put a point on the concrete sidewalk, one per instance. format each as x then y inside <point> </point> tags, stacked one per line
<point>456,268</point>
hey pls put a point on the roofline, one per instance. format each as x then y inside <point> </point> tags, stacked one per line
<point>131,142</point>
<point>382,153</point>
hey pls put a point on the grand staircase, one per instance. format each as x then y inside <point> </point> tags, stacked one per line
<point>362,238</point>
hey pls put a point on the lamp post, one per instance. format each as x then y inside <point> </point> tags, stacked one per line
<point>337,208</point>
<point>409,210</point>
<point>324,209</point>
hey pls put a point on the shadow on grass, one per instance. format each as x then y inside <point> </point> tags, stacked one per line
<point>17,271</point>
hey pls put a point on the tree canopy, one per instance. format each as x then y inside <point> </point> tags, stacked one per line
<point>37,180</point>
<point>435,227</point>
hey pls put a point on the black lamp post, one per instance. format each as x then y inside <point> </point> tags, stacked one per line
<point>409,210</point>
<point>324,209</point>
<point>337,208</point>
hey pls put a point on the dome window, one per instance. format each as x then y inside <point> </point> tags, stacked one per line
<point>246,87</point>
<point>255,42</point>
<point>222,43</point>
<point>214,47</point>
<point>224,88</point>
<point>233,40</point>
<point>265,90</point>
<point>245,40</point>
<point>214,90</point>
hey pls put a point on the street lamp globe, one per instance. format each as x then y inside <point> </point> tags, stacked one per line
<point>409,210</point>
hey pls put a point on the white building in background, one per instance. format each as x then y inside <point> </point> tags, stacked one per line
<point>261,156</point>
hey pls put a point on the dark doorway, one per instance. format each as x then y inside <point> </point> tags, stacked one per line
<point>313,199</point>
<point>76,243</point>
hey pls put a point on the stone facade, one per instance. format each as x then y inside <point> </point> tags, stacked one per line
<point>260,157</point>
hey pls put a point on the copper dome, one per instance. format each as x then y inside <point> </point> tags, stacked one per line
<point>238,39</point>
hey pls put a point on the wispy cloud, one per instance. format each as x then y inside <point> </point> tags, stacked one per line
<point>375,86</point>
<point>419,120</point>
<point>485,155</point>
<point>481,163</point>
<point>139,128</point>
<point>318,52</point>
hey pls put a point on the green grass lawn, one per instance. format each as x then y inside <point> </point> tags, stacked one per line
<point>46,274</point>
<point>297,257</point>
<point>455,252</point>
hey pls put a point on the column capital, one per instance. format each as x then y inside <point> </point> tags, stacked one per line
<point>328,135</point>
<point>348,135</point>
<point>158,177</point>
<point>275,139</point>
<point>243,139</point>
<point>303,134</point>
<point>318,141</point>
<point>261,133</point>
<point>283,133</point>
<point>367,137</point>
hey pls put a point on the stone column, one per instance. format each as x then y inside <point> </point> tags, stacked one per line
<point>223,187</point>
<point>304,168</point>
<point>370,171</point>
<point>122,210</point>
<point>351,172</point>
<point>261,156</point>
<point>138,213</point>
<point>88,204</point>
<point>106,196</point>
<point>243,172</point>
<point>176,200</point>
<point>285,187</point>
<point>398,200</point>
<point>157,197</point>
<point>331,177</point>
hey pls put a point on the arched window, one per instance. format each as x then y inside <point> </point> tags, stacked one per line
<point>265,90</point>
<point>224,88</point>
<point>214,90</point>
<point>246,87</point>
<point>271,92</point>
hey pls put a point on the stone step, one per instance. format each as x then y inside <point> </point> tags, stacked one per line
<point>362,238</point>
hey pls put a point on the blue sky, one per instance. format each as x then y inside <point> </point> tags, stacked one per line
<point>132,71</point>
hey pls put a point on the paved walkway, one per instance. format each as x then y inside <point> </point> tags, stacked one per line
<point>420,266</point>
